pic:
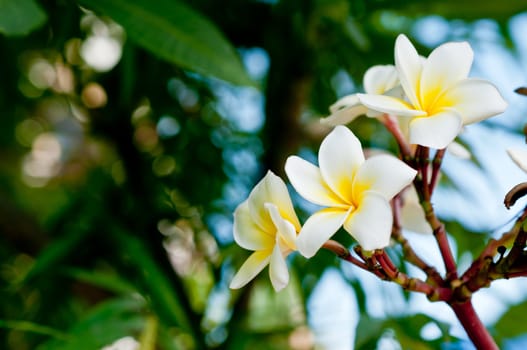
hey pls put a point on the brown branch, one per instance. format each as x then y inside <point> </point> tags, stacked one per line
<point>514,194</point>
<point>421,162</point>
<point>475,329</point>
<point>487,254</point>
<point>390,122</point>
<point>424,192</point>
<point>439,234</point>
<point>484,270</point>
<point>436,165</point>
<point>408,252</point>
<point>343,253</point>
<point>434,293</point>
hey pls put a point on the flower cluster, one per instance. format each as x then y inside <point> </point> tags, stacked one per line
<point>356,193</point>
<point>433,98</point>
<point>430,99</point>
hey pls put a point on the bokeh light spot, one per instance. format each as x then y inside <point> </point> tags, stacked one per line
<point>146,137</point>
<point>94,96</point>
<point>41,74</point>
<point>43,162</point>
<point>27,130</point>
<point>101,53</point>
<point>168,126</point>
<point>164,165</point>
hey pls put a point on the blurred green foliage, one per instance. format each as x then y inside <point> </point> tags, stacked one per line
<point>116,155</point>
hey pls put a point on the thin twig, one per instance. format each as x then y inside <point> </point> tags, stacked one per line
<point>436,165</point>
<point>434,293</point>
<point>408,252</point>
<point>344,254</point>
<point>422,160</point>
<point>423,191</point>
<point>390,122</point>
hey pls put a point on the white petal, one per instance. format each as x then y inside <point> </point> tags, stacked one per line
<point>318,229</point>
<point>308,182</point>
<point>413,219</point>
<point>280,197</point>
<point>379,79</point>
<point>397,92</point>
<point>412,213</point>
<point>346,101</point>
<point>390,105</point>
<point>247,233</point>
<point>435,131</point>
<point>250,268</point>
<point>285,229</point>
<point>519,156</point>
<point>278,272</point>
<point>474,100</point>
<point>408,64</point>
<point>345,115</point>
<point>404,126</point>
<point>271,189</point>
<point>340,156</point>
<point>383,174</point>
<point>446,65</point>
<point>458,150</point>
<point>371,223</point>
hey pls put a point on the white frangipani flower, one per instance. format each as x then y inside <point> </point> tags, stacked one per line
<point>267,224</point>
<point>126,343</point>
<point>519,156</point>
<point>412,213</point>
<point>379,79</point>
<point>440,98</point>
<point>356,192</point>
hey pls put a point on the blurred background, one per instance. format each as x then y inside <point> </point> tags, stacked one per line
<point>131,130</point>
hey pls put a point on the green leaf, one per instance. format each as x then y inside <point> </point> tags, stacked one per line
<point>105,280</point>
<point>508,326</point>
<point>468,9</point>
<point>160,291</point>
<point>178,34</point>
<point>105,323</point>
<point>20,17</point>
<point>56,252</point>
<point>407,331</point>
<point>467,241</point>
<point>26,326</point>
<point>149,335</point>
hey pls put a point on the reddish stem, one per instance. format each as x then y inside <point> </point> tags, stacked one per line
<point>343,253</point>
<point>446,252</point>
<point>409,253</point>
<point>436,165</point>
<point>390,122</point>
<point>422,154</point>
<point>434,293</point>
<point>516,274</point>
<point>424,188</point>
<point>473,326</point>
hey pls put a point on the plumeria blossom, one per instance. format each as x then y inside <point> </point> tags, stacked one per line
<point>378,79</point>
<point>266,223</point>
<point>519,156</point>
<point>355,192</point>
<point>439,96</point>
<point>412,213</point>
